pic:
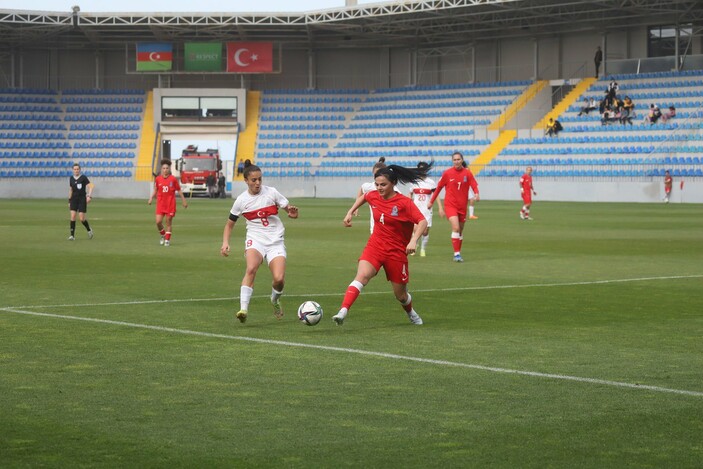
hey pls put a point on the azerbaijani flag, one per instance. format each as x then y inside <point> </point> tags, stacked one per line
<point>154,56</point>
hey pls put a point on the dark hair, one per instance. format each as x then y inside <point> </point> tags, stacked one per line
<point>249,168</point>
<point>166,162</point>
<point>381,163</point>
<point>422,165</point>
<point>463,161</point>
<point>395,173</point>
<point>76,164</point>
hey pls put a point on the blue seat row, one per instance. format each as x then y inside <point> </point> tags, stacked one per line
<point>103,118</point>
<point>644,108</point>
<point>35,164</point>
<point>293,109</point>
<point>271,127</point>
<point>412,133</point>
<point>425,152</point>
<point>32,126</point>
<point>26,91</point>
<point>454,142</point>
<point>617,127</point>
<point>606,139</point>
<point>594,117</point>
<point>689,160</point>
<point>102,136</point>
<point>292,145</point>
<point>104,109</point>
<point>285,164</point>
<point>29,117</point>
<point>455,86</point>
<point>436,96</point>
<point>425,115</point>
<point>31,135</point>
<point>106,164</point>
<point>296,136</point>
<point>24,108</point>
<point>41,173</point>
<point>435,105</point>
<point>27,99</point>
<point>34,154</point>
<point>414,124</point>
<point>104,154</point>
<point>312,100</point>
<point>94,145</point>
<point>288,154</point>
<point>101,127</point>
<point>89,91</point>
<point>640,76</point>
<point>581,150</point>
<point>103,100</point>
<point>314,92</point>
<point>298,118</point>
<point>37,145</point>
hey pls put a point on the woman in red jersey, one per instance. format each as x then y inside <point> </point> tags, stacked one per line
<point>165,187</point>
<point>456,182</point>
<point>398,224</point>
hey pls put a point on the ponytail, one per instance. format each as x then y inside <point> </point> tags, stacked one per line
<point>396,174</point>
<point>249,167</point>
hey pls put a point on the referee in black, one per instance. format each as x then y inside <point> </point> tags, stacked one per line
<point>79,195</point>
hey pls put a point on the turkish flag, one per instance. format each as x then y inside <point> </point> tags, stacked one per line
<point>250,57</point>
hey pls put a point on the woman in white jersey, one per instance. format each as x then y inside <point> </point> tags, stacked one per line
<point>264,239</point>
<point>421,192</point>
<point>371,186</point>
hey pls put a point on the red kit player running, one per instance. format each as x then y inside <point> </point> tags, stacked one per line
<point>259,206</point>
<point>527,191</point>
<point>398,224</point>
<point>456,182</point>
<point>165,188</point>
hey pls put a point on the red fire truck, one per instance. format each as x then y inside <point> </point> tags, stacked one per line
<point>195,166</point>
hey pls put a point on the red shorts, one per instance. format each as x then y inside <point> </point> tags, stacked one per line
<point>527,198</point>
<point>667,190</point>
<point>168,210</point>
<point>396,271</point>
<point>452,211</point>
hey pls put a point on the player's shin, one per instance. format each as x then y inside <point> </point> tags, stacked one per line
<point>351,295</point>
<point>245,297</point>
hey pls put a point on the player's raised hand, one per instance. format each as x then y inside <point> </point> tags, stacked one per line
<point>292,211</point>
<point>224,250</point>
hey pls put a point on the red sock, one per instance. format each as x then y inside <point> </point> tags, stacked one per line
<point>162,232</point>
<point>456,244</point>
<point>350,296</point>
<point>408,307</point>
<point>168,236</point>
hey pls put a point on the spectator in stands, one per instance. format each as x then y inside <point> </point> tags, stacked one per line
<point>627,111</point>
<point>211,183</point>
<point>240,167</point>
<point>607,116</point>
<point>669,114</point>
<point>553,127</point>
<point>598,59</point>
<point>654,114</point>
<point>221,186</point>
<point>668,185</point>
<point>588,106</point>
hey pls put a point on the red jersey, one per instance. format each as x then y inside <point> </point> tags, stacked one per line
<point>456,184</point>
<point>166,188</point>
<point>526,183</point>
<point>394,220</point>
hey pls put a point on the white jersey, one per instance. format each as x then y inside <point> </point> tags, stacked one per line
<point>422,192</point>
<point>261,212</point>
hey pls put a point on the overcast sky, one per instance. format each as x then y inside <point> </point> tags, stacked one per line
<point>124,6</point>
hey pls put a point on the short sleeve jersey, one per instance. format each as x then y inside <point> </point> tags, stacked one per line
<point>366,188</point>
<point>261,213</point>
<point>456,184</point>
<point>166,188</point>
<point>526,182</point>
<point>422,192</point>
<point>668,182</point>
<point>394,220</point>
<point>78,186</point>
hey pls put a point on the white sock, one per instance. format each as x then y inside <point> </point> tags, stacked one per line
<point>355,283</point>
<point>275,295</point>
<point>524,208</point>
<point>244,297</point>
<point>424,241</point>
<point>408,301</point>
<point>342,312</point>
<point>471,210</point>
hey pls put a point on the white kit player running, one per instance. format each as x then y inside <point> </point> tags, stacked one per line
<point>421,193</point>
<point>259,205</point>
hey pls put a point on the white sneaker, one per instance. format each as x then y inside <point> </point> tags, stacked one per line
<point>71,238</point>
<point>415,318</point>
<point>422,253</point>
<point>339,318</point>
<point>522,216</point>
<point>167,243</point>
<point>277,308</point>
<point>161,241</point>
<point>528,218</point>
<point>90,234</point>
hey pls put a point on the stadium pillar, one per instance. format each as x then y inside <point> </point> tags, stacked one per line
<point>473,64</point>
<point>604,47</point>
<point>677,39</point>
<point>535,59</point>
<point>312,82</point>
<point>412,65</point>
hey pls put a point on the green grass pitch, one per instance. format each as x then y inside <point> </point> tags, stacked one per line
<point>610,292</point>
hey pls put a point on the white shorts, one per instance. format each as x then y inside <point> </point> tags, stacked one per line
<point>428,216</point>
<point>267,251</point>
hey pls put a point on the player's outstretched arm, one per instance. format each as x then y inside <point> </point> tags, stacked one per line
<point>153,193</point>
<point>183,199</point>
<point>292,211</point>
<point>417,232</point>
<point>224,250</point>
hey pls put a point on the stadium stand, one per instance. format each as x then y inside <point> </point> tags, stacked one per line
<point>44,132</point>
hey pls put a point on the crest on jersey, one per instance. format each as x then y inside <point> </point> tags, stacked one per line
<point>465,179</point>
<point>394,211</point>
<point>79,186</point>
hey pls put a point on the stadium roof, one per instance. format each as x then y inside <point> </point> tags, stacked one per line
<point>420,23</point>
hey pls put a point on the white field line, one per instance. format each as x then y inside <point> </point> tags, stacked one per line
<point>493,369</point>
<point>340,293</point>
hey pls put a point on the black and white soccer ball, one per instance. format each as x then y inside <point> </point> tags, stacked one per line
<point>310,313</point>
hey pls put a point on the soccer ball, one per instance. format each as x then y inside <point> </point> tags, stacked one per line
<point>310,313</point>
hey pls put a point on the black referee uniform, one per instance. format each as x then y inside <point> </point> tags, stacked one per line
<point>78,202</point>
